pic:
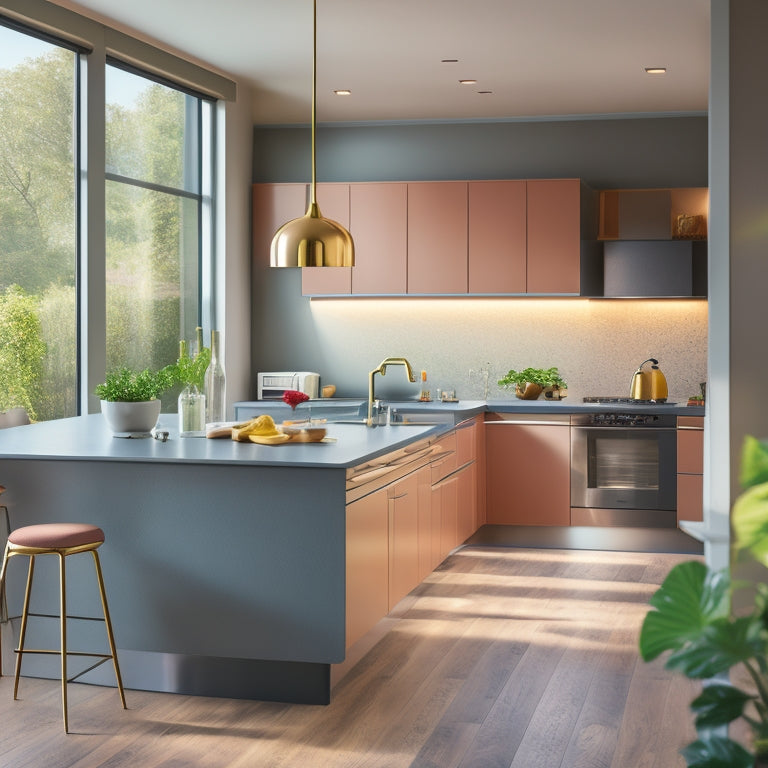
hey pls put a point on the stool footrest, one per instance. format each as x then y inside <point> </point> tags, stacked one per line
<point>57,617</point>
<point>58,653</point>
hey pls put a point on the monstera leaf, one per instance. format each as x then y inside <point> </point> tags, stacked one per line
<point>691,598</point>
<point>717,752</point>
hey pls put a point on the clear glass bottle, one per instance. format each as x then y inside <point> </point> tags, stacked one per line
<point>215,384</point>
<point>191,412</point>
<point>191,403</point>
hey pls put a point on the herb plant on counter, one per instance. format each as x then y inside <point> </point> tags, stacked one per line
<point>190,371</point>
<point>129,386</point>
<point>544,377</point>
<point>692,617</point>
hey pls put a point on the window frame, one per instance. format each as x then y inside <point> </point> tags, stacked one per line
<point>94,44</point>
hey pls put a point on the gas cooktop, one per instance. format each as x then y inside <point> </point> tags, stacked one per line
<point>624,401</point>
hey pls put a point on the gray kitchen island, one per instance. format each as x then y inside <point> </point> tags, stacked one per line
<point>224,562</point>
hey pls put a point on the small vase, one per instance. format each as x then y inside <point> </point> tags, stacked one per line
<point>191,412</point>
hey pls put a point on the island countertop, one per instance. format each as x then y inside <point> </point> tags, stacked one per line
<point>87,438</point>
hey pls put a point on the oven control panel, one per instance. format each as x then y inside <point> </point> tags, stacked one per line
<point>624,419</point>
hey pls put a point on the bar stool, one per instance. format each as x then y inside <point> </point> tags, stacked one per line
<point>62,539</point>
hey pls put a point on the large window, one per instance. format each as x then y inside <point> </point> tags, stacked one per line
<point>152,202</point>
<point>38,314</point>
<point>153,217</point>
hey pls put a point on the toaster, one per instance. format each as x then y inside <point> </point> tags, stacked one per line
<point>272,384</point>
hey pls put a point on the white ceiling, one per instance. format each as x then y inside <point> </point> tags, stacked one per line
<point>538,57</point>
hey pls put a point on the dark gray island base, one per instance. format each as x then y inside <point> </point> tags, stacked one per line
<point>224,562</point>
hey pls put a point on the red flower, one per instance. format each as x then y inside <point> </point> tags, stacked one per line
<point>293,398</point>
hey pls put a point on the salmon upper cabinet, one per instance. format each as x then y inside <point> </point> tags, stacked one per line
<point>273,206</point>
<point>497,237</point>
<point>554,236</point>
<point>333,201</point>
<point>378,220</point>
<point>437,237</point>
<point>445,237</point>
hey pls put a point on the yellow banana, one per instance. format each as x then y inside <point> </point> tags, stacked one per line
<point>263,426</point>
<point>270,439</point>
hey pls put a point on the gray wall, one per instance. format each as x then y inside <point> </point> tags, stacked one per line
<point>649,152</point>
<point>344,339</point>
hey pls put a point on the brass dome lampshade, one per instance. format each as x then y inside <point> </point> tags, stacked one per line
<point>312,240</point>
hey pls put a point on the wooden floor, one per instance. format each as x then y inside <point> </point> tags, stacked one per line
<point>518,658</point>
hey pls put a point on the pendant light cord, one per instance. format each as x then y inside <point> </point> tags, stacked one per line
<point>312,188</point>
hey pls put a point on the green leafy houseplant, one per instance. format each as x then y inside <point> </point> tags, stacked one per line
<point>544,377</point>
<point>540,378</point>
<point>190,370</point>
<point>130,386</point>
<point>692,617</point>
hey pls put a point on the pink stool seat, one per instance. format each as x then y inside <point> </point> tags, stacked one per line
<point>56,535</point>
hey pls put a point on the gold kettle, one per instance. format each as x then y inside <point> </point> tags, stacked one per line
<point>649,385</point>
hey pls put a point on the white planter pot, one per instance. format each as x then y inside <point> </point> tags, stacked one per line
<point>131,418</point>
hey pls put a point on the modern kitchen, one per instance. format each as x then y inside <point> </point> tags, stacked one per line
<point>304,558</point>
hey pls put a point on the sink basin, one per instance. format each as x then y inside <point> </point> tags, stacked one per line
<point>421,419</point>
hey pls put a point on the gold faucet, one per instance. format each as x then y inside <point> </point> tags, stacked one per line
<point>382,369</point>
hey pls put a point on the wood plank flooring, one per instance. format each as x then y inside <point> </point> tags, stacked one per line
<point>508,657</point>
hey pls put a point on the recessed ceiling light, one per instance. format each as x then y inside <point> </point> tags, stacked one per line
<point>343,92</point>
<point>655,70</point>
<point>467,82</point>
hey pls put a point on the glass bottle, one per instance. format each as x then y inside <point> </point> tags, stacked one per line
<point>216,384</point>
<point>191,412</point>
<point>191,405</point>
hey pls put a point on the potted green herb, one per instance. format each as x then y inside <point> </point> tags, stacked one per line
<point>130,399</point>
<point>692,617</point>
<point>530,382</point>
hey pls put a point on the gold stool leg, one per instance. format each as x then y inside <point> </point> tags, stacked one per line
<point>3,598</point>
<point>108,623</point>
<point>63,585</point>
<point>23,630</point>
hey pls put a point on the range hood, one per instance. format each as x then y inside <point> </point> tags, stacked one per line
<point>654,268</point>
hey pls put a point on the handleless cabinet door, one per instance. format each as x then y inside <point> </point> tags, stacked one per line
<point>437,237</point>
<point>403,499</point>
<point>554,236</point>
<point>497,236</point>
<point>690,468</point>
<point>367,566</point>
<point>333,201</point>
<point>528,474</point>
<point>273,206</point>
<point>378,216</point>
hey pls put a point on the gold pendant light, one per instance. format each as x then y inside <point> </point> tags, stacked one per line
<point>311,240</point>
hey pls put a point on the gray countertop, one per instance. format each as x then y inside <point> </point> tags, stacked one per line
<point>464,409</point>
<point>87,438</point>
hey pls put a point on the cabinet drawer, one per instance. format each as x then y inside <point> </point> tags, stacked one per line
<point>444,461</point>
<point>690,451</point>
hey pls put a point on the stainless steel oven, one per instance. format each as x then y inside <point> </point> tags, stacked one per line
<point>624,469</point>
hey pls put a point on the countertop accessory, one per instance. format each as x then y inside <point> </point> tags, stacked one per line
<point>215,383</point>
<point>131,419</point>
<point>425,395</point>
<point>529,383</point>
<point>312,240</point>
<point>382,369</point>
<point>649,384</point>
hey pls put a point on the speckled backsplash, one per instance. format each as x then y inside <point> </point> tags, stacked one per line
<point>596,344</point>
